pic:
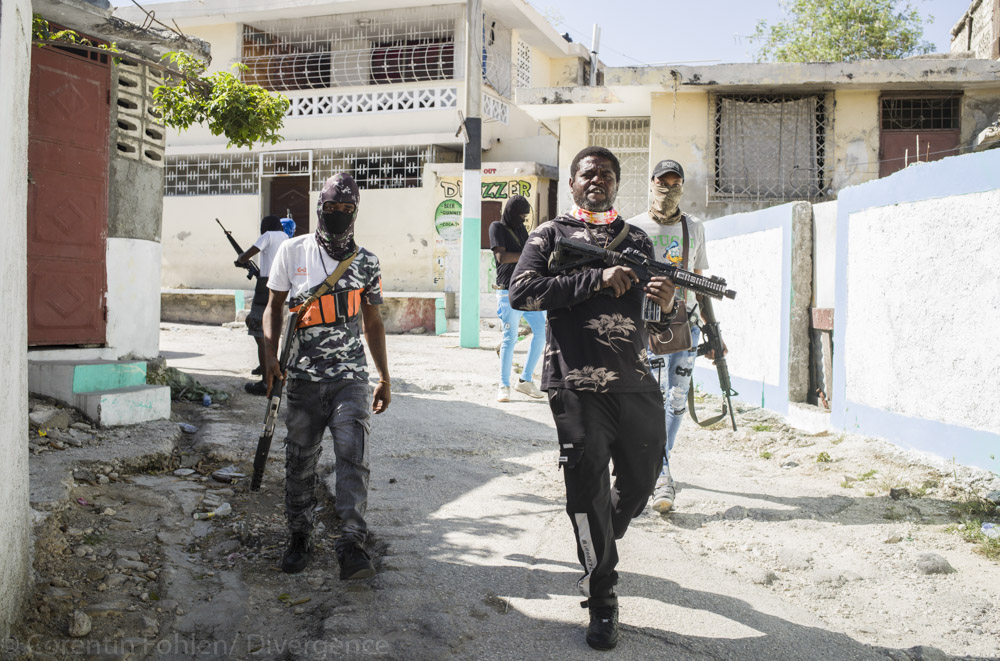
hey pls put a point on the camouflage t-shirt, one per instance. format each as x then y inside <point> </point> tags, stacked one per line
<point>328,342</point>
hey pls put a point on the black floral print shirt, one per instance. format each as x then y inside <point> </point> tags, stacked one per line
<point>595,342</point>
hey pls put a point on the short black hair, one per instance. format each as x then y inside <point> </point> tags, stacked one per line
<point>602,152</point>
<point>270,224</point>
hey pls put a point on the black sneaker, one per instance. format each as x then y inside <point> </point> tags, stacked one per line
<point>355,563</point>
<point>602,633</point>
<point>297,556</point>
<point>257,371</point>
<point>256,388</point>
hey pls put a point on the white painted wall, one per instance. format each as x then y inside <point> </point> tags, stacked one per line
<point>133,267</point>
<point>398,226</point>
<point>15,530</point>
<point>924,308</point>
<point>751,323</point>
<point>824,254</point>
<point>196,253</point>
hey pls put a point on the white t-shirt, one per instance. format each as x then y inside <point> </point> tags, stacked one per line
<point>667,243</point>
<point>267,244</point>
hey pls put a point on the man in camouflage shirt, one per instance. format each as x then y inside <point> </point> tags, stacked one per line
<point>606,404</point>
<point>327,372</point>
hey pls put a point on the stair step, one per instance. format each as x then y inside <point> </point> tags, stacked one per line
<point>63,379</point>
<point>125,406</point>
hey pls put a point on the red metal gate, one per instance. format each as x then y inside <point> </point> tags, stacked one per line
<point>67,197</point>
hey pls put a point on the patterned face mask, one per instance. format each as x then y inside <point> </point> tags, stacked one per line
<point>666,202</point>
<point>339,188</point>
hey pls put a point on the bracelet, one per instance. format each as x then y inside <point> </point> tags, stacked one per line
<point>388,383</point>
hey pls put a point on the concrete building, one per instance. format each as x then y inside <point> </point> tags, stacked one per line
<point>15,519</point>
<point>978,31</point>
<point>754,135</point>
<point>95,186</point>
<point>375,90</point>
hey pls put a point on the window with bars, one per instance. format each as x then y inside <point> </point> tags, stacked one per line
<point>523,64</point>
<point>920,114</point>
<point>628,139</point>
<point>351,49</point>
<point>496,55</point>
<point>211,174</point>
<point>373,167</point>
<point>239,174</point>
<point>770,147</point>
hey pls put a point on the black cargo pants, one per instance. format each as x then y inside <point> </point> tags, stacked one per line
<point>595,429</point>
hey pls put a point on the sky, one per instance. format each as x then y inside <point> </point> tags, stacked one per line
<point>635,32</point>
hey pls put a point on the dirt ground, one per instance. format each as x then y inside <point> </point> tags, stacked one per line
<point>783,545</point>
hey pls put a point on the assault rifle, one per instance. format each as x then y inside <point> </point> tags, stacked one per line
<point>570,254</point>
<point>250,266</point>
<point>713,342</point>
<point>273,404</point>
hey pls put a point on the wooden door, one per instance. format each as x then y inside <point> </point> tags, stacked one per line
<point>491,212</point>
<point>68,124</point>
<point>924,128</point>
<point>291,194</point>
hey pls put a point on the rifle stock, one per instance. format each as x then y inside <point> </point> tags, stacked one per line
<point>250,266</point>
<point>273,404</point>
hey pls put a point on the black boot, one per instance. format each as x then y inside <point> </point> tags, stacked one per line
<point>297,556</point>
<point>602,633</point>
<point>355,563</point>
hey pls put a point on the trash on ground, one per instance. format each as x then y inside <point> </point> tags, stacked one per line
<point>186,428</point>
<point>228,474</point>
<point>225,509</point>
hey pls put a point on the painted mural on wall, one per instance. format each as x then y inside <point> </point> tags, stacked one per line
<point>448,224</point>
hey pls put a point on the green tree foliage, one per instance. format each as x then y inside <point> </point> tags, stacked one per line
<point>842,31</point>
<point>245,114</point>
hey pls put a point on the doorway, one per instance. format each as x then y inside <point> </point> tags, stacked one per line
<point>68,118</point>
<point>290,195</point>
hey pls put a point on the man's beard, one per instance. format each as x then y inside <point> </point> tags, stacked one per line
<point>597,207</point>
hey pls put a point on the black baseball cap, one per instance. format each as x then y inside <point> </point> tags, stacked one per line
<point>666,166</point>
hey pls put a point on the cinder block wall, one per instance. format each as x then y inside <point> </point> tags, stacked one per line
<point>15,530</point>
<point>918,309</point>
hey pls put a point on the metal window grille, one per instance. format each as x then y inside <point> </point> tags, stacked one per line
<point>277,163</point>
<point>211,174</point>
<point>404,45</point>
<point>523,64</point>
<point>628,139</point>
<point>770,147</point>
<point>496,55</point>
<point>372,167</point>
<point>924,114</point>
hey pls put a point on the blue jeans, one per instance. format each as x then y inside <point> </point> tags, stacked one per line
<point>510,318</point>
<point>675,385</point>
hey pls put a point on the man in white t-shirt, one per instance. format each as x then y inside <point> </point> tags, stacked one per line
<point>664,225</point>
<point>327,373</point>
<point>271,236</point>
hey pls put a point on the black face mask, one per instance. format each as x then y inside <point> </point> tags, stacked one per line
<point>337,222</point>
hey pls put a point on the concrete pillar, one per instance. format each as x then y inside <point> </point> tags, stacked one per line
<point>15,528</point>
<point>801,300</point>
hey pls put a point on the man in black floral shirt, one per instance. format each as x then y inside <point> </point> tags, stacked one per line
<point>606,403</point>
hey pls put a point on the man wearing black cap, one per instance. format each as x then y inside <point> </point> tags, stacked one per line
<point>669,229</point>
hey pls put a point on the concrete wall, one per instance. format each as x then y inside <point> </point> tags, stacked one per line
<point>133,268</point>
<point>918,307</point>
<point>195,251</point>
<point>824,254</point>
<point>856,137</point>
<point>766,256</point>
<point>135,200</point>
<point>15,529</point>
<point>974,32</point>
<point>574,133</point>
<point>398,226</point>
<point>678,129</point>
<point>979,110</point>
